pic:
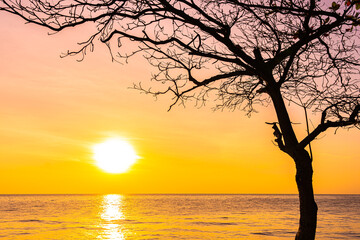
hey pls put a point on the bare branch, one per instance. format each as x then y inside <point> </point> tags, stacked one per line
<point>324,125</point>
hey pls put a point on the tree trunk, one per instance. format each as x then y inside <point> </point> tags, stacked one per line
<point>308,207</point>
<point>304,170</point>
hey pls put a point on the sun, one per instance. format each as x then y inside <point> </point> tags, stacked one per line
<point>114,155</point>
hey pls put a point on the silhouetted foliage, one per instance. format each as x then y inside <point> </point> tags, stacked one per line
<point>236,54</point>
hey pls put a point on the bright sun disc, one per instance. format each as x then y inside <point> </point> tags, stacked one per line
<point>114,155</point>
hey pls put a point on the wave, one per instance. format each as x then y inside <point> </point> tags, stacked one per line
<point>263,233</point>
<point>30,220</point>
<point>9,210</point>
<point>215,223</point>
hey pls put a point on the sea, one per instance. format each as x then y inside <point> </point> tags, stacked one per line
<point>172,216</point>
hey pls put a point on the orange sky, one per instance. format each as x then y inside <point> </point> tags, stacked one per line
<point>53,110</point>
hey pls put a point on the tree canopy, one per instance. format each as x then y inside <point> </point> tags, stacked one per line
<point>309,49</point>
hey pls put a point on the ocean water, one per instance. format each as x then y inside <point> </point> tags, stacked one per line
<point>203,217</point>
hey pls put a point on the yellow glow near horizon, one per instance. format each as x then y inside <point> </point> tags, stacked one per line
<point>114,155</point>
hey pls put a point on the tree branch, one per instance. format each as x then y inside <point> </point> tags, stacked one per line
<point>324,125</point>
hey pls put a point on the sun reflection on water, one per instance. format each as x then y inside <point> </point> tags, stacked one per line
<point>111,215</point>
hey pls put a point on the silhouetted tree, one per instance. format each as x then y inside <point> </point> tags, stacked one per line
<point>254,52</point>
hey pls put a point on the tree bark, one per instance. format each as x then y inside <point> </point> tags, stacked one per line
<point>308,207</point>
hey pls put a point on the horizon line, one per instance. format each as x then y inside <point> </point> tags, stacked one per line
<point>7,194</point>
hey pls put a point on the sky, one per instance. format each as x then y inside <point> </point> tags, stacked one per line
<point>54,110</point>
